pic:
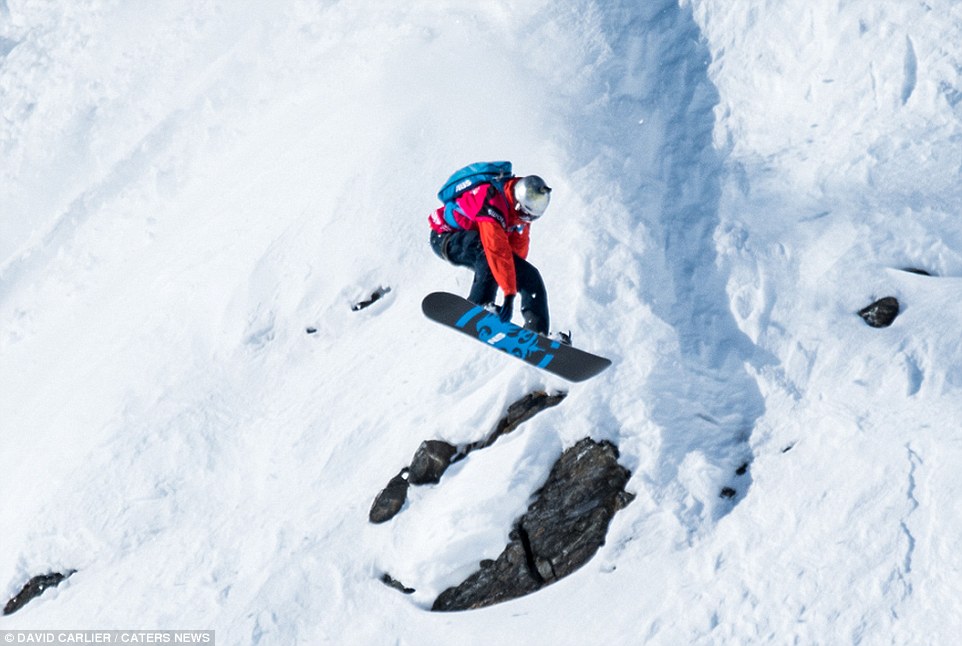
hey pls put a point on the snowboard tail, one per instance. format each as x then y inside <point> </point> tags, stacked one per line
<point>475,321</point>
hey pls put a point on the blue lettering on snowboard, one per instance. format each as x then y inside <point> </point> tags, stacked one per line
<point>507,337</point>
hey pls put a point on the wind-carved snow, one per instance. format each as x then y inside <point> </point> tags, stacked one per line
<point>910,71</point>
<point>714,350</point>
<point>6,46</point>
<point>666,168</point>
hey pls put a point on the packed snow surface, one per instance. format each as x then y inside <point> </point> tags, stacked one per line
<point>186,187</point>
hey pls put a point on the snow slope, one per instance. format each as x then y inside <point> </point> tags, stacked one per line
<point>186,187</point>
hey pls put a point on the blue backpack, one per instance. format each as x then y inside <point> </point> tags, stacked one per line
<point>494,173</point>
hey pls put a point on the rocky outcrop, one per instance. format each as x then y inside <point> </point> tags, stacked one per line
<point>34,588</point>
<point>881,313</point>
<point>433,457</point>
<point>430,461</point>
<point>375,296</point>
<point>518,413</point>
<point>391,499</point>
<point>561,530</point>
<point>391,582</point>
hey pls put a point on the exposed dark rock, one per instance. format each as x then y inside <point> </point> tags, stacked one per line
<point>518,413</point>
<point>389,502</point>
<point>526,408</point>
<point>430,461</point>
<point>728,492</point>
<point>509,577</point>
<point>433,457</point>
<point>742,470</point>
<point>373,298</point>
<point>391,582</point>
<point>881,313</point>
<point>569,519</point>
<point>34,588</point>
<point>915,270</point>
<point>561,530</point>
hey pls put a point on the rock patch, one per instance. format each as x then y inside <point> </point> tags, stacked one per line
<point>34,588</point>
<point>881,313</point>
<point>560,532</point>
<point>433,457</point>
<point>375,296</point>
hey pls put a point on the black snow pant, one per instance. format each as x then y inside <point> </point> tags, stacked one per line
<point>464,249</point>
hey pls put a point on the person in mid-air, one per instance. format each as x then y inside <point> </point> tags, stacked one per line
<point>489,231</point>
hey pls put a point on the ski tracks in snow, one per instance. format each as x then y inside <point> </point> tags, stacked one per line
<point>915,461</point>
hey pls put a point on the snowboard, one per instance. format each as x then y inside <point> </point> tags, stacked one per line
<point>552,356</point>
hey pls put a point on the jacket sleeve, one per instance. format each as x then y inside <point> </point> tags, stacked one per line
<point>497,249</point>
<point>520,242</point>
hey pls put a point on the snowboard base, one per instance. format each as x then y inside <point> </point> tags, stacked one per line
<point>460,314</point>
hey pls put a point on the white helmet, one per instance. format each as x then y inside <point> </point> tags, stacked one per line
<point>532,196</point>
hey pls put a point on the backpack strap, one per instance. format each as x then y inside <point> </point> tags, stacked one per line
<point>449,218</point>
<point>464,179</point>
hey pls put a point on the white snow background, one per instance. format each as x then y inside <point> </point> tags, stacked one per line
<point>186,186</point>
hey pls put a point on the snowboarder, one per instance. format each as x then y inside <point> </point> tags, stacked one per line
<point>489,232</point>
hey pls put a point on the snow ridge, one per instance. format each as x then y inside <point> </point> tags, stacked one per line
<point>910,71</point>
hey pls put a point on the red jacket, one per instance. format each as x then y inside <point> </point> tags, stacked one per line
<point>494,215</point>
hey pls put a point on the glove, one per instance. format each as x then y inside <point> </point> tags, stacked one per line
<point>506,309</point>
